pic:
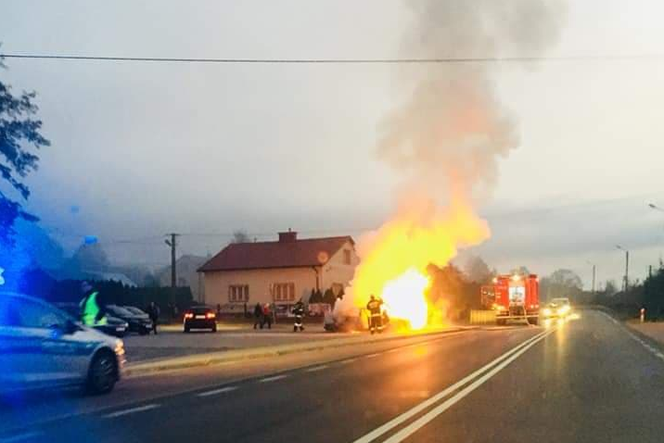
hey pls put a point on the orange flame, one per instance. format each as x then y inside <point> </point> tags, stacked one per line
<point>395,257</point>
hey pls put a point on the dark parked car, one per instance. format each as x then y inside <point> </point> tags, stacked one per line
<point>137,311</point>
<point>114,326</point>
<point>137,323</point>
<point>200,317</point>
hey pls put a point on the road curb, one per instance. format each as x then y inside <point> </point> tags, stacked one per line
<point>216,358</point>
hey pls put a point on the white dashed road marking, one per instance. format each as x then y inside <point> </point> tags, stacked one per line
<point>274,378</point>
<point>217,391</point>
<point>317,368</point>
<point>372,355</point>
<point>131,411</point>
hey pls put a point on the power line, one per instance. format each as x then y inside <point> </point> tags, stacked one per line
<point>354,61</point>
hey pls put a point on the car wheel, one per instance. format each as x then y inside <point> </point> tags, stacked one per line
<point>214,328</point>
<point>186,329</point>
<point>534,321</point>
<point>102,374</point>
<point>143,331</point>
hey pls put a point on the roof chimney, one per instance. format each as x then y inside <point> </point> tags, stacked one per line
<point>287,237</point>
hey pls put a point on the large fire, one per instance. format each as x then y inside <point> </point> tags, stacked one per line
<point>405,299</point>
<point>396,256</point>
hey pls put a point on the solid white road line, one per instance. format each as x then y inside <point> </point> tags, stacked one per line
<point>21,437</point>
<point>317,368</point>
<point>217,391</point>
<point>131,410</point>
<point>654,351</point>
<point>269,379</point>
<point>435,412</point>
<point>436,398</point>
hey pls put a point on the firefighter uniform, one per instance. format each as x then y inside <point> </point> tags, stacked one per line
<point>375,315</point>
<point>298,311</point>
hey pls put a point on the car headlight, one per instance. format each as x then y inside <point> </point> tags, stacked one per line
<point>563,310</point>
<point>547,311</point>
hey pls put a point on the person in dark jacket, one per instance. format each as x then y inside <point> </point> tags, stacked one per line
<point>258,316</point>
<point>375,314</point>
<point>267,316</point>
<point>153,312</point>
<point>298,311</point>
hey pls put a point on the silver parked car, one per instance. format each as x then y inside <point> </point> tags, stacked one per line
<point>42,346</point>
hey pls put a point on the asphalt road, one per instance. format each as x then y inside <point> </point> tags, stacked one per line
<point>583,380</point>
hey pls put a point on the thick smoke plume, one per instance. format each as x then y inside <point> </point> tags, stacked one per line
<point>453,129</point>
<point>448,136</point>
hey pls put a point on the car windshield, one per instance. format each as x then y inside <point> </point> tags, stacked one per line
<point>200,310</point>
<point>134,310</point>
<point>332,221</point>
<point>120,311</point>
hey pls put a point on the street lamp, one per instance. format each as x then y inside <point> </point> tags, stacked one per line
<point>655,207</point>
<point>626,266</point>
<point>594,273</point>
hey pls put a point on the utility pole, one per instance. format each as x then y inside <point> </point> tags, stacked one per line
<point>594,274</point>
<point>173,243</point>
<point>626,285</point>
<point>626,270</point>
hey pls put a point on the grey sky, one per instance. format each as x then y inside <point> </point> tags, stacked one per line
<point>145,149</point>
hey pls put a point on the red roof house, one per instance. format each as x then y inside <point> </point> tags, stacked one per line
<point>280,272</point>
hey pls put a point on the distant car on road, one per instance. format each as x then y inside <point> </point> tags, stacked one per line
<point>42,346</point>
<point>114,326</point>
<point>200,317</point>
<point>137,323</point>
<point>557,307</point>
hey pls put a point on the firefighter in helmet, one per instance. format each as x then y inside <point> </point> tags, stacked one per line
<point>298,311</point>
<point>375,314</point>
<point>93,310</point>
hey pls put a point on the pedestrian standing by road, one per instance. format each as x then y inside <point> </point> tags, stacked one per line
<point>298,311</point>
<point>153,312</point>
<point>258,316</point>
<point>267,316</point>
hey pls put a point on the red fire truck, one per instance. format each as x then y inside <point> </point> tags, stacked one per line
<point>513,297</point>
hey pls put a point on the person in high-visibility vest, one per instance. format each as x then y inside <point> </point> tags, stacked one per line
<point>93,312</point>
<point>375,314</point>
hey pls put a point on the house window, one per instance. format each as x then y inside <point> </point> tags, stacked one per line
<point>347,257</point>
<point>238,293</point>
<point>283,292</point>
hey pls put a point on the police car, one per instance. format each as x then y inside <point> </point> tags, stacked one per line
<point>41,346</point>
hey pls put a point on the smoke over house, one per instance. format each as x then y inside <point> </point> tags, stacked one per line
<point>445,140</point>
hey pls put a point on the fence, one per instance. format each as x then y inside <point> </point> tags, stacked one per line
<point>482,317</point>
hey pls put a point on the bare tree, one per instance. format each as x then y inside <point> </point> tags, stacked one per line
<point>562,283</point>
<point>241,236</point>
<point>477,270</point>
